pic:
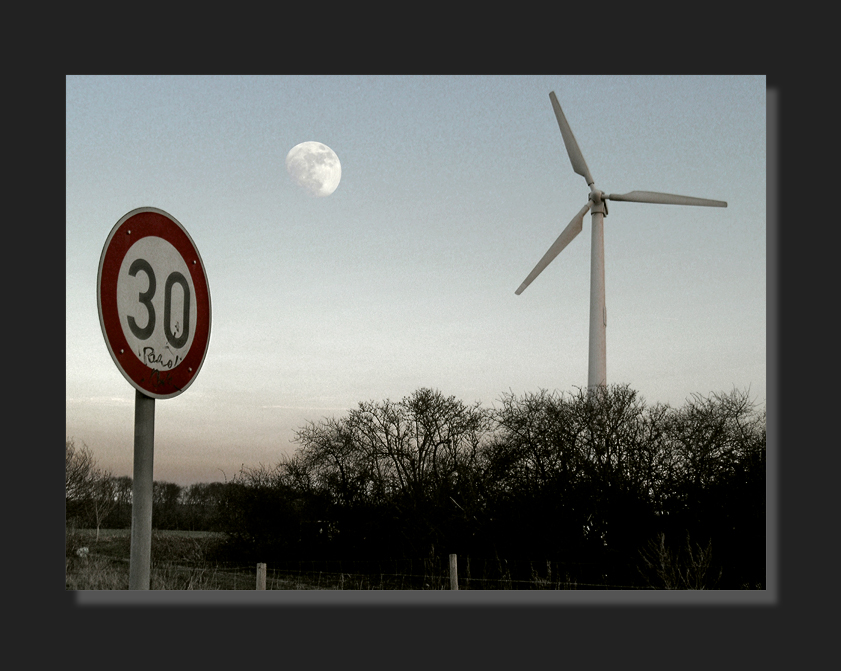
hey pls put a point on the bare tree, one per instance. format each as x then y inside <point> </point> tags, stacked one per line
<point>103,497</point>
<point>408,464</point>
<point>411,447</point>
<point>78,466</point>
<point>89,491</point>
<point>711,434</point>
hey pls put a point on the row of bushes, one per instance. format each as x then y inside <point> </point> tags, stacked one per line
<point>598,481</point>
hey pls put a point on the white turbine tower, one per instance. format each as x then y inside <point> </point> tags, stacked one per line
<point>597,375</point>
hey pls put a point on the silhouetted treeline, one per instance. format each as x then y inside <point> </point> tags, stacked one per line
<point>613,490</point>
<point>194,508</point>
<point>589,480</point>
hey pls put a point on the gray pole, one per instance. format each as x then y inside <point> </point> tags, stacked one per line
<point>141,492</point>
<point>597,368</point>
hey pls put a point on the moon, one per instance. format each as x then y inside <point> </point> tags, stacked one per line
<point>315,167</point>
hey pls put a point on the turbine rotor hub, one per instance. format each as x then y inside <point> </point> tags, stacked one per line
<point>599,200</point>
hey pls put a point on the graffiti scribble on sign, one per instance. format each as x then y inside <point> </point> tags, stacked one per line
<point>157,361</point>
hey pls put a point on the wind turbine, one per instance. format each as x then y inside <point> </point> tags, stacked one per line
<point>597,375</point>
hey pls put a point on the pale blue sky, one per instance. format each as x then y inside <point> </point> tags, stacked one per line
<point>452,189</point>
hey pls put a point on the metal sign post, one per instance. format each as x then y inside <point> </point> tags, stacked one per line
<point>141,492</point>
<point>154,310</point>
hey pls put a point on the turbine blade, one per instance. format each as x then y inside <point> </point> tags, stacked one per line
<point>573,228</point>
<point>575,155</point>
<point>664,199</point>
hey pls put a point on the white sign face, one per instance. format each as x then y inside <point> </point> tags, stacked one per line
<point>156,303</point>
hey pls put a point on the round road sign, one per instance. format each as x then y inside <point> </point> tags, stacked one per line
<point>154,302</point>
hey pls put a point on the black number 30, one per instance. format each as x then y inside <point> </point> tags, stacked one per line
<point>145,297</point>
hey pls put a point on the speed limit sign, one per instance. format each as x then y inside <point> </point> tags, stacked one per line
<point>154,302</point>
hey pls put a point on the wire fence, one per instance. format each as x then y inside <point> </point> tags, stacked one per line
<point>404,574</point>
<point>94,571</point>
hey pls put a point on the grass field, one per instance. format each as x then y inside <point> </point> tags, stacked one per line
<point>178,561</point>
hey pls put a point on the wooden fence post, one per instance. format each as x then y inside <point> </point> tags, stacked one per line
<point>261,576</point>
<point>453,573</point>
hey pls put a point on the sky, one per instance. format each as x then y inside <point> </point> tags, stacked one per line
<point>452,189</point>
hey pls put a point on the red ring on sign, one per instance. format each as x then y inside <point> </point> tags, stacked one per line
<point>134,226</point>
